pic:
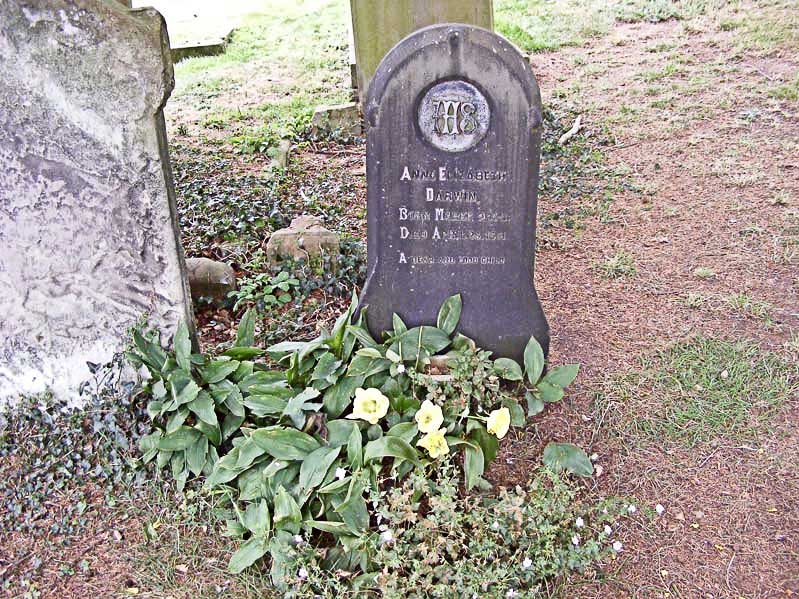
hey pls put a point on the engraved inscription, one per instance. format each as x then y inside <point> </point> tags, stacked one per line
<point>453,116</point>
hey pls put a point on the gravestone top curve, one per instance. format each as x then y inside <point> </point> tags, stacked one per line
<point>453,149</point>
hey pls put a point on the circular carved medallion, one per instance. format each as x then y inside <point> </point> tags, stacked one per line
<point>453,116</point>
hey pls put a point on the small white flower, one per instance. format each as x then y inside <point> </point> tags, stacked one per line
<point>576,540</point>
<point>495,525</point>
<point>303,574</point>
<point>297,539</point>
<point>527,563</point>
<point>579,523</point>
<point>608,530</point>
<point>617,546</point>
<point>631,508</point>
<point>511,594</point>
<point>660,509</point>
<point>386,536</point>
<point>340,473</point>
<point>594,457</point>
<point>400,368</point>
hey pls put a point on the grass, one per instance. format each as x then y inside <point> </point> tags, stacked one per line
<point>749,307</point>
<point>620,264</point>
<point>704,389</point>
<point>788,91</point>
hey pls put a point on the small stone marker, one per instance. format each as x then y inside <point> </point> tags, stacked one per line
<point>88,226</point>
<point>305,239</point>
<point>453,148</point>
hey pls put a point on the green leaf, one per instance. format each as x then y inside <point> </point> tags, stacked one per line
<point>362,335</point>
<point>473,465</point>
<point>249,553</point>
<point>355,449</point>
<point>562,376</point>
<point>218,370</point>
<point>195,455</point>
<point>183,388</point>
<point>181,439</point>
<point>533,360</point>
<point>399,326</point>
<point>548,392</point>
<point>363,366</point>
<point>264,381</point>
<point>487,442</point>
<point>299,404</point>
<point>565,456</point>
<point>287,512</point>
<point>150,352</point>
<point>431,339</point>
<point>389,447</point>
<point>404,430</point>
<point>245,335</point>
<point>337,398</point>
<point>256,518</point>
<point>248,452</point>
<point>177,419</point>
<point>326,366</point>
<point>280,350</point>
<point>339,431</point>
<point>535,405</point>
<point>183,346</point>
<point>516,412</point>
<point>230,425</point>
<point>508,369</point>
<point>449,314</point>
<point>285,443</point>
<point>316,465</point>
<point>204,408</point>
<point>353,510</point>
<point>213,432</point>
<point>334,528</point>
<point>243,353</point>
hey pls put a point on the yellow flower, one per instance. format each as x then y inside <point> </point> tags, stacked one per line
<point>429,417</point>
<point>435,443</point>
<point>369,405</point>
<point>499,422</point>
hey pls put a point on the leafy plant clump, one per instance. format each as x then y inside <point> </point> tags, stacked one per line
<point>264,290</point>
<point>308,445</point>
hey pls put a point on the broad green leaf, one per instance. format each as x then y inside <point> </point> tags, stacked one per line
<point>449,314</point>
<point>516,412</point>
<point>363,366</point>
<point>548,392</point>
<point>245,335</point>
<point>299,404</point>
<point>234,403</point>
<point>176,420</point>
<point>508,369</point>
<point>404,430</point>
<point>372,352</point>
<point>430,339</point>
<point>565,456</point>
<point>248,451</point>
<point>150,352</point>
<point>181,439</point>
<point>355,449</point>
<point>243,353</point>
<point>533,360</point>
<point>218,370</point>
<point>195,455</point>
<point>462,342</point>
<point>285,443</point>
<point>256,518</point>
<point>399,326</point>
<point>473,465</point>
<point>230,425</point>
<point>334,528</point>
<point>263,381</point>
<point>562,376</point>
<point>183,346</point>
<point>183,388</point>
<point>287,512</point>
<point>316,465</point>
<point>325,367</point>
<point>535,405</point>
<point>389,447</point>
<point>250,552</point>
<point>213,432</point>
<point>204,408</point>
<point>353,510</point>
<point>362,335</point>
<point>487,442</point>
<point>149,442</point>
<point>280,350</point>
<point>339,431</point>
<point>337,398</point>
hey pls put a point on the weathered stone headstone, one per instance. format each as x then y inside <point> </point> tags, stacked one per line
<point>453,147</point>
<point>88,227</point>
<point>377,25</point>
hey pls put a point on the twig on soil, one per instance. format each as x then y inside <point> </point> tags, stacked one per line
<point>571,132</point>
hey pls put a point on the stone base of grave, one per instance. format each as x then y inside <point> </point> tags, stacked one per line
<point>341,119</point>
<point>210,279</point>
<point>305,239</point>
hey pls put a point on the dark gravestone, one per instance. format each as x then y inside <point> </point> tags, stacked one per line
<point>454,141</point>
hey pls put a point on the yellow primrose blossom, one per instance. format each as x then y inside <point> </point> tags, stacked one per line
<point>499,422</point>
<point>435,443</point>
<point>369,405</point>
<point>429,417</point>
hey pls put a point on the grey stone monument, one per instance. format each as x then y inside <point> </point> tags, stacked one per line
<point>88,230</point>
<point>453,148</point>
